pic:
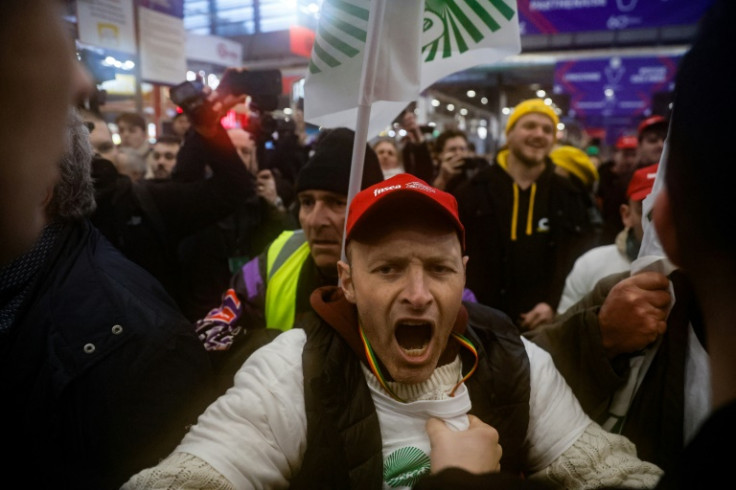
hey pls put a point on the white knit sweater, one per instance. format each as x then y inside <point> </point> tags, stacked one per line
<point>254,436</point>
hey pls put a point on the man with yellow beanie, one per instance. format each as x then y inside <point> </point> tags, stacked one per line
<point>525,224</point>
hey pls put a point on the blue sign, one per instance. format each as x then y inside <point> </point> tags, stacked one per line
<point>618,91</point>
<point>555,16</point>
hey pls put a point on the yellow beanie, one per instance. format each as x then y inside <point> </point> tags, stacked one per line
<point>531,105</point>
<point>575,161</point>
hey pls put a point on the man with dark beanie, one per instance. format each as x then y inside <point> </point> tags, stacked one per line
<point>273,289</point>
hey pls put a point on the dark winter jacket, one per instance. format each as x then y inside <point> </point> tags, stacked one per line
<point>100,372</point>
<point>147,220</point>
<point>417,160</point>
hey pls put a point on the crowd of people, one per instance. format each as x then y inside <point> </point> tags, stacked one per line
<point>186,312</point>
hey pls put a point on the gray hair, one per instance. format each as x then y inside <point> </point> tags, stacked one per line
<point>131,163</point>
<point>74,193</point>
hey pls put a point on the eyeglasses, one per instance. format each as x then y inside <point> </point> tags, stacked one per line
<point>168,155</point>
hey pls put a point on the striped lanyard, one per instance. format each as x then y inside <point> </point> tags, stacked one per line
<point>376,370</point>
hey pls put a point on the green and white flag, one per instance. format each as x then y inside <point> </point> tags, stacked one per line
<point>460,34</point>
<point>420,42</point>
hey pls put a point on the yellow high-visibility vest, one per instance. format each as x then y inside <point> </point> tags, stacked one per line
<point>284,262</point>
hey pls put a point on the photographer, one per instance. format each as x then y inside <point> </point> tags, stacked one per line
<point>147,220</point>
<point>210,257</point>
<point>455,163</point>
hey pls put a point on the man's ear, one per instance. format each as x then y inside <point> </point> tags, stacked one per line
<point>465,269</point>
<point>345,276</point>
<point>45,203</point>
<point>48,196</point>
<point>665,224</point>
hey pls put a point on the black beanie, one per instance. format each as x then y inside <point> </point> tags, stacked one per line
<point>328,169</point>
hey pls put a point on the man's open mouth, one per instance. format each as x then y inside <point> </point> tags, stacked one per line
<point>413,336</point>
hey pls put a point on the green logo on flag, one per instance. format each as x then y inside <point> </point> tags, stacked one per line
<point>341,34</point>
<point>450,26</point>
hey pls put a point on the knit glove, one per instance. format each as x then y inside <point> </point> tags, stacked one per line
<point>217,330</point>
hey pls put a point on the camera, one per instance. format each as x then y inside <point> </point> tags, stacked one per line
<point>263,86</point>
<point>190,96</point>
<point>275,138</point>
<point>257,84</point>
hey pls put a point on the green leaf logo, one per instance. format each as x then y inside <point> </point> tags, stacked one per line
<point>459,24</point>
<point>449,26</point>
<point>405,466</point>
<point>341,34</point>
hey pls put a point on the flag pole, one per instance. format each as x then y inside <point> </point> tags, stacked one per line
<point>365,99</point>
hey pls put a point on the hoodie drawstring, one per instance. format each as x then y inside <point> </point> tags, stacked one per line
<point>515,210</point>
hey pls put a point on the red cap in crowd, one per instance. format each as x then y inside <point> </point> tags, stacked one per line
<point>642,182</point>
<point>627,143</point>
<point>651,121</point>
<point>391,192</point>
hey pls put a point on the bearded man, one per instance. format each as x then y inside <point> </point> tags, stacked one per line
<point>525,224</point>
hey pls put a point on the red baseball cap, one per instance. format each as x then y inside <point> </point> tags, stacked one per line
<point>389,194</point>
<point>642,182</point>
<point>627,143</point>
<point>651,121</point>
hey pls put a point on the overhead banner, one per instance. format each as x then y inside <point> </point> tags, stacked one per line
<point>107,24</point>
<point>213,49</point>
<point>614,86</point>
<point>558,16</point>
<point>162,41</point>
<point>617,91</point>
